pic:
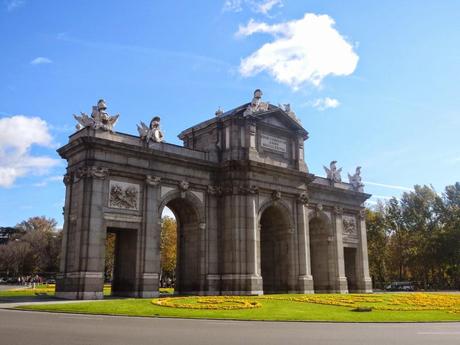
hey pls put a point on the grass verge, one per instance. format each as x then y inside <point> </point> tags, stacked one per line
<point>339,308</point>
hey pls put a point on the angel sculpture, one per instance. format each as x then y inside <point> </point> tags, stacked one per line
<point>355,180</point>
<point>99,118</point>
<point>152,133</point>
<point>333,173</point>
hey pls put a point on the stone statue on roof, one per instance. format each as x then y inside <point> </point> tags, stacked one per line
<point>256,104</point>
<point>332,173</point>
<point>99,118</point>
<point>152,132</point>
<point>355,180</point>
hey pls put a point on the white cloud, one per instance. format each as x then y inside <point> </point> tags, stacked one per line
<point>18,134</point>
<point>14,4</point>
<point>233,6</point>
<point>325,103</point>
<point>265,6</point>
<point>303,51</point>
<point>257,6</point>
<point>40,60</point>
<point>390,186</point>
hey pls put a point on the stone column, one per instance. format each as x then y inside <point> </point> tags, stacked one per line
<point>305,279</point>
<point>150,240</point>
<point>339,282</point>
<point>240,242</point>
<point>252,230</point>
<point>82,274</point>
<point>68,181</point>
<point>364,281</point>
<point>212,259</point>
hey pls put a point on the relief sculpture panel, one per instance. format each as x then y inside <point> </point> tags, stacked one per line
<point>124,195</point>
<point>349,225</point>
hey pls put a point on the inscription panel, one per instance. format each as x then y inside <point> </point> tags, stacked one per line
<point>273,143</point>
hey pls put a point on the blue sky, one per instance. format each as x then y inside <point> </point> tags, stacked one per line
<point>374,83</point>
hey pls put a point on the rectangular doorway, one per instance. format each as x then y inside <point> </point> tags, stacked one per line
<point>350,268</point>
<point>121,244</point>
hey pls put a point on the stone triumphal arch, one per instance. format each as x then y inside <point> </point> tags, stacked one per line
<point>251,218</point>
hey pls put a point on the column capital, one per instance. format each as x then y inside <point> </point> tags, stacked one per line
<point>91,172</point>
<point>152,180</point>
<point>338,211</point>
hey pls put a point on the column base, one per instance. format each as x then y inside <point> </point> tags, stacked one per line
<point>365,285</point>
<point>79,295</point>
<point>305,285</point>
<point>242,284</point>
<point>341,285</point>
<point>80,285</point>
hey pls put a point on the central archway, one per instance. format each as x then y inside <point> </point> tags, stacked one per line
<point>189,251</point>
<point>275,253</point>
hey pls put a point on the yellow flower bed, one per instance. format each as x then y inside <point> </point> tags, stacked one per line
<point>209,303</point>
<point>394,302</point>
<point>385,302</point>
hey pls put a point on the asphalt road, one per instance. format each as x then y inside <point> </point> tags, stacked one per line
<point>35,328</point>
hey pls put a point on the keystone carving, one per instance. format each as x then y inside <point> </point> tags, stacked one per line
<point>184,186</point>
<point>276,195</point>
<point>303,198</point>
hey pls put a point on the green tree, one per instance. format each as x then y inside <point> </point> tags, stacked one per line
<point>33,249</point>
<point>417,238</point>
<point>109,255</point>
<point>377,244</point>
<point>168,247</point>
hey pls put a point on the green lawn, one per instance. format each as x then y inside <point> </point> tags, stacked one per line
<point>28,292</point>
<point>428,307</point>
<point>40,291</point>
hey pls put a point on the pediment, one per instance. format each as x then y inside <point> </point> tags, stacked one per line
<point>276,117</point>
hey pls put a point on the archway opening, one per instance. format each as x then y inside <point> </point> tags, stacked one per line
<point>319,254</point>
<point>188,244</point>
<point>168,251</point>
<point>120,258</point>
<point>350,268</point>
<point>274,250</point>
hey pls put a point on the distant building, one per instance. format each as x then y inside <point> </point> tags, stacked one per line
<point>6,233</point>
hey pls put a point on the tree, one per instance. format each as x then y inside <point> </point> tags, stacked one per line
<point>38,224</point>
<point>417,238</point>
<point>33,249</point>
<point>168,247</point>
<point>377,243</point>
<point>109,255</point>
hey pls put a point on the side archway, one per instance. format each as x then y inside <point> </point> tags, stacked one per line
<point>276,248</point>
<point>320,232</point>
<point>188,211</point>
